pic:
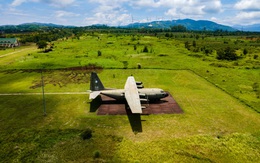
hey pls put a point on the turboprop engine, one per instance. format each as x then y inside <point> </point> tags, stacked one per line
<point>139,85</point>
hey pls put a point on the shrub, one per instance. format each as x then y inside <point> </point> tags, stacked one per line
<point>139,66</point>
<point>245,51</point>
<point>87,134</point>
<point>96,154</point>
<point>135,47</point>
<point>187,45</point>
<point>99,53</point>
<point>125,63</point>
<point>145,50</point>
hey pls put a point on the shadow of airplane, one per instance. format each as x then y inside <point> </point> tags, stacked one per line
<point>95,104</point>
<point>134,119</point>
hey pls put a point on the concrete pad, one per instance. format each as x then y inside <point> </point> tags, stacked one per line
<point>166,105</point>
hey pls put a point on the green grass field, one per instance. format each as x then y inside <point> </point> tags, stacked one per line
<point>214,124</point>
<point>220,121</point>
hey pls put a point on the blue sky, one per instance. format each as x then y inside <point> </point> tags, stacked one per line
<point>121,12</point>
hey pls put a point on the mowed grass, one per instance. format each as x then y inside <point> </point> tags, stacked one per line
<point>215,127</point>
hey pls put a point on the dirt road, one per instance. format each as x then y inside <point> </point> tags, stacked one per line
<point>54,93</point>
<point>16,51</point>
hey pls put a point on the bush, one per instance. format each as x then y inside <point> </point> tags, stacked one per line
<point>135,47</point>
<point>145,50</point>
<point>245,51</point>
<point>99,53</point>
<point>139,66</point>
<point>87,134</point>
<point>125,63</point>
<point>96,154</point>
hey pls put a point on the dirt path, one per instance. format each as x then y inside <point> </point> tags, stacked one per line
<point>46,93</point>
<point>14,52</point>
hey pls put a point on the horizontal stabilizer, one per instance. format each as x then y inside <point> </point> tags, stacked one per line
<point>93,95</point>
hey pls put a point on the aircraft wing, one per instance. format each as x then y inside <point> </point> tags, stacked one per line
<point>132,95</point>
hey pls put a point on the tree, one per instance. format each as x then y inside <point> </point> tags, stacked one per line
<point>194,43</point>
<point>42,44</point>
<point>178,28</point>
<point>227,54</point>
<point>187,45</point>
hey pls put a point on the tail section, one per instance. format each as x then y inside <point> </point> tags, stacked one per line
<point>95,82</point>
<point>95,86</point>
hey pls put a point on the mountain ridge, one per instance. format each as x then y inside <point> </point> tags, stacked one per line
<point>190,24</point>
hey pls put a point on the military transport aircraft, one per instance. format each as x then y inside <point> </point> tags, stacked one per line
<point>133,92</point>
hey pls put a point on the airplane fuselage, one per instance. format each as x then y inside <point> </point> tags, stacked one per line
<point>151,94</point>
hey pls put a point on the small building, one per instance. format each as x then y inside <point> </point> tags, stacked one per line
<point>9,42</point>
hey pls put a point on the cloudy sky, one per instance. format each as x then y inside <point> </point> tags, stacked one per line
<point>121,12</point>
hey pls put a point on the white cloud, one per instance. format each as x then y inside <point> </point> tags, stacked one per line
<point>193,8</point>
<point>65,17</point>
<point>212,6</point>
<point>56,3</point>
<point>248,18</point>
<point>242,18</point>
<point>60,14</point>
<point>144,3</point>
<point>248,5</point>
<point>249,12</point>
<point>16,12</point>
<point>113,18</point>
<point>59,3</point>
<point>110,12</point>
<point>19,2</point>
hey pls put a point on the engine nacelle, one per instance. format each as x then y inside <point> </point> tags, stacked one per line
<point>143,107</point>
<point>140,86</point>
<point>142,96</point>
<point>143,100</point>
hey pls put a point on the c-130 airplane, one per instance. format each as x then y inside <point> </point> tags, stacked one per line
<point>133,92</point>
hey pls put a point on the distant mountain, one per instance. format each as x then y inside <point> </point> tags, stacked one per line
<point>41,24</point>
<point>190,24</point>
<point>193,25</point>
<point>30,27</point>
<point>251,28</point>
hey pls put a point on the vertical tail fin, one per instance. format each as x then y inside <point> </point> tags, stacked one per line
<point>95,82</point>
